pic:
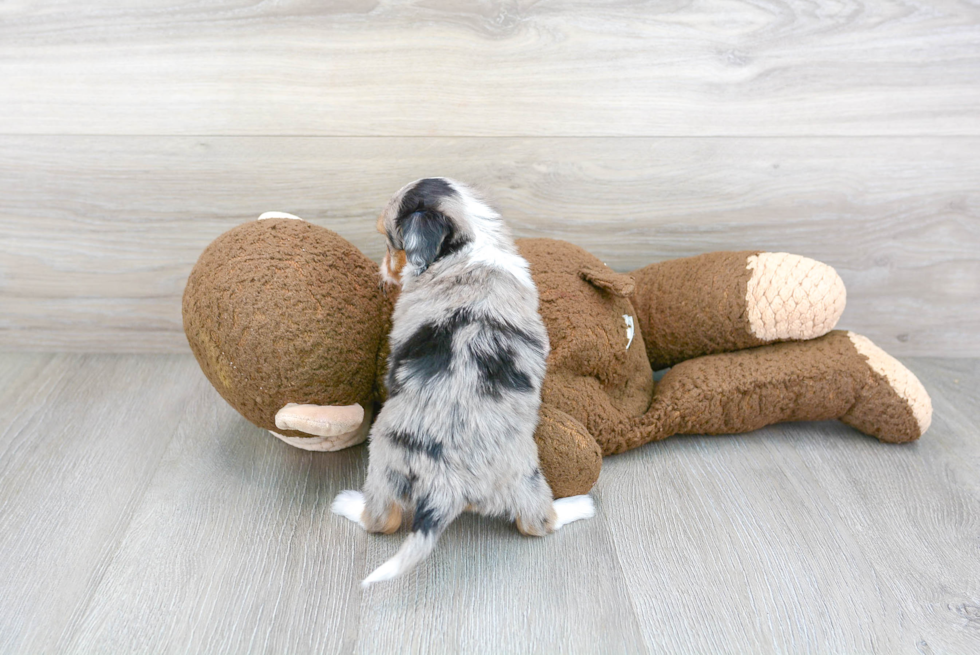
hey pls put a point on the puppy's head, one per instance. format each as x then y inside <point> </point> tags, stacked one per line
<point>424,222</point>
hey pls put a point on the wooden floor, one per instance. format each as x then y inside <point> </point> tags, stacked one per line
<point>140,513</point>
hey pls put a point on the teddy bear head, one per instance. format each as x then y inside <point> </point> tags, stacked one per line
<point>282,311</point>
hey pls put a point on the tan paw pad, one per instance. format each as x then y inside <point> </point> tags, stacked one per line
<point>792,297</point>
<point>902,380</point>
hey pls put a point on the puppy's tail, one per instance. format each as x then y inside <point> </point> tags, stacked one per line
<point>427,525</point>
<point>415,549</point>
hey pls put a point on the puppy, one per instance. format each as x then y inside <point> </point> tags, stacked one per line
<point>468,351</point>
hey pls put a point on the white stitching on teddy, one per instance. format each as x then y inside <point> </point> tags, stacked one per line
<point>629,330</point>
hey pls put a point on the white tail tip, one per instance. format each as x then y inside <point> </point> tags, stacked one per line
<point>387,571</point>
<point>415,549</point>
<point>573,508</point>
<point>349,504</point>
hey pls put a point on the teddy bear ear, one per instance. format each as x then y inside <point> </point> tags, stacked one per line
<point>617,284</point>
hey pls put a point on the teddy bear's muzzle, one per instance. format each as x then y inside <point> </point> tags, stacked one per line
<point>332,427</point>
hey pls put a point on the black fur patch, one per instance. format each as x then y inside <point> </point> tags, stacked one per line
<point>499,372</point>
<point>416,444</point>
<point>427,519</point>
<point>428,352</point>
<point>452,246</point>
<point>426,194</point>
<point>509,331</point>
<point>402,484</point>
<point>424,355</point>
<point>497,362</point>
<point>498,366</point>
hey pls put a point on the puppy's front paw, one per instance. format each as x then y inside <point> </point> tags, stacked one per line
<point>349,504</point>
<point>572,509</point>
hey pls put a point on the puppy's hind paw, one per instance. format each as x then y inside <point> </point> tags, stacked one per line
<point>349,504</point>
<point>573,508</point>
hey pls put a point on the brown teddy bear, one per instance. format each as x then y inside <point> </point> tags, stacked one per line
<point>288,322</point>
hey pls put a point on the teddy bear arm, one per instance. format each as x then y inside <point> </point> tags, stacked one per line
<point>586,400</point>
<point>570,458</point>
<point>727,301</point>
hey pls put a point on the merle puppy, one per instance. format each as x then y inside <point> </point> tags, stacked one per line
<point>468,352</point>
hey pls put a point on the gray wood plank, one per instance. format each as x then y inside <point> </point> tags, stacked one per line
<point>802,538</point>
<point>97,235</point>
<point>139,513</point>
<point>80,437</point>
<point>487,589</point>
<point>954,385</point>
<point>491,68</point>
<point>234,550</point>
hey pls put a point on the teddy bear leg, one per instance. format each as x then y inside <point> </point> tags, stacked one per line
<point>569,456</point>
<point>893,406</point>
<point>726,301</point>
<point>838,376</point>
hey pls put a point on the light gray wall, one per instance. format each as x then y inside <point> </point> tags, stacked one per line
<point>131,136</point>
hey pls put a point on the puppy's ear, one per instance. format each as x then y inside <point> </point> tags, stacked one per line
<point>423,233</point>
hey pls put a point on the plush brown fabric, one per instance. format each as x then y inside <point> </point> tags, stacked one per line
<point>881,412</point>
<point>608,389</point>
<point>745,390</point>
<point>279,311</point>
<point>570,457</point>
<point>820,379</point>
<point>694,306</point>
<point>282,311</point>
<point>586,327</point>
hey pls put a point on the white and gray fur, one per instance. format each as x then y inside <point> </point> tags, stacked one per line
<point>468,351</point>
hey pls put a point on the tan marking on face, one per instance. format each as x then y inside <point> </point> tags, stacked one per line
<point>392,266</point>
<point>381,224</point>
